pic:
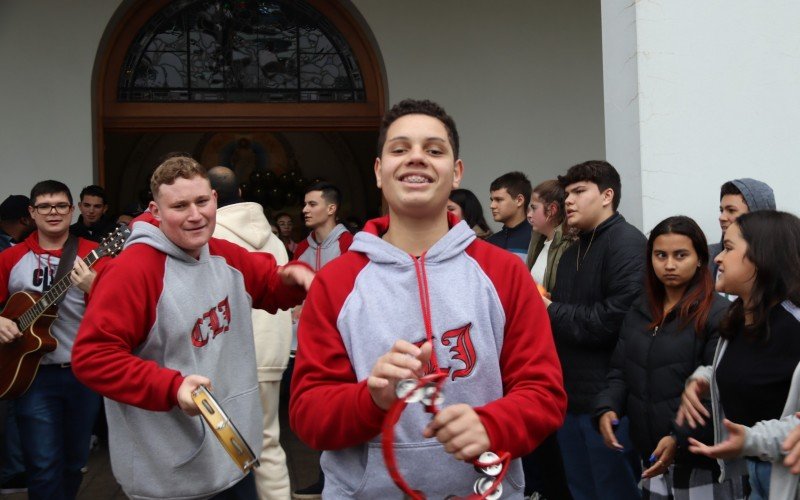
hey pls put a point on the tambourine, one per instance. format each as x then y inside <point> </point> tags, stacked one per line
<point>428,391</point>
<point>222,427</point>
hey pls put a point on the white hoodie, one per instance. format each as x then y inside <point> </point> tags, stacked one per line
<point>245,225</point>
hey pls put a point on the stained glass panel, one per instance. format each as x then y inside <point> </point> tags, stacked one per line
<point>240,51</point>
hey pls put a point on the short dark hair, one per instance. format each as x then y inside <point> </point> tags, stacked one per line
<point>330,193</point>
<point>94,190</point>
<point>599,172</point>
<point>223,181</point>
<point>516,183</point>
<point>49,187</point>
<point>730,188</point>
<point>418,107</point>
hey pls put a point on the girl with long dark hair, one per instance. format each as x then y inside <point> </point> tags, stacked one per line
<point>668,333</point>
<point>466,206</point>
<point>754,379</point>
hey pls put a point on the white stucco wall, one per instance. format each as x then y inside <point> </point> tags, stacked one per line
<point>47,52</point>
<point>522,79</point>
<point>719,99</point>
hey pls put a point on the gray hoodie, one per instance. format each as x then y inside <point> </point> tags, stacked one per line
<point>169,454</point>
<point>758,196</point>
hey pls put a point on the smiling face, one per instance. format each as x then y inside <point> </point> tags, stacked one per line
<point>736,272</point>
<point>52,224</point>
<point>92,208</point>
<point>585,206</point>
<point>731,206</point>
<point>675,260</point>
<point>187,210</point>
<point>417,168</point>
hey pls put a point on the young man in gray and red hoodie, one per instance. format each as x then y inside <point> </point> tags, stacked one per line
<point>186,322</point>
<point>418,289</point>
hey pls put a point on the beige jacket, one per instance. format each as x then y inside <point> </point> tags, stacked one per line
<point>245,224</point>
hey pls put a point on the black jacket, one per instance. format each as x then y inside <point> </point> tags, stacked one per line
<point>590,302</point>
<point>649,369</point>
<point>105,225</point>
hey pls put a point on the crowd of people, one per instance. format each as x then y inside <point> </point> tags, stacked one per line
<point>595,361</point>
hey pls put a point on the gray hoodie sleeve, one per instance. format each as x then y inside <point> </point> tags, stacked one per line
<point>764,439</point>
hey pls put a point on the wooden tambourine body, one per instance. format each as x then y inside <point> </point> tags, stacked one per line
<point>223,428</point>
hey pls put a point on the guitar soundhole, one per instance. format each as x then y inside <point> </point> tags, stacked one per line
<point>208,407</point>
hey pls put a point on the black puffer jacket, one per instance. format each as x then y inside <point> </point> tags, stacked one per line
<point>649,371</point>
<point>591,300</point>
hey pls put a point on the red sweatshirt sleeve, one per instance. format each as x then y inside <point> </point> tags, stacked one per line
<point>120,313</point>
<point>301,248</point>
<point>534,402</point>
<point>261,278</point>
<point>345,240</point>
<point>329,409</point>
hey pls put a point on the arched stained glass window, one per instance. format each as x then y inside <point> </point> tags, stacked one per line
<point>240,51</point>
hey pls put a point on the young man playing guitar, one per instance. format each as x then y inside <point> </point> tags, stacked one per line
<point>186,323</point>
<point>55,415</point>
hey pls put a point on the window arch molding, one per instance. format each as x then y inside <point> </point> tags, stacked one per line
<point>114,115</point>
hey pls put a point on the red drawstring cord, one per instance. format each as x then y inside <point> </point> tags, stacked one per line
<point>436,381</point>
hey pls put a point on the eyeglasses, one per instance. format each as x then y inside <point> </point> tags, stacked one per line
<point>46,208</point>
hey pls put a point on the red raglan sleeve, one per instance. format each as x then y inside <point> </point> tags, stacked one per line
<point>534,402</point>
<point>261,278</point>
<point>329,409</point>
<point>120,313</point>
<point>8,259</point>
<point>345,240</point>
<point>301,248</point>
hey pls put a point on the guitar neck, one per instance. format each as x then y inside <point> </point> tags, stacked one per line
<point>53,295</point>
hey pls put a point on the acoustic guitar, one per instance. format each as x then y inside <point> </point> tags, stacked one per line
<point>34,313</point>
<point>223,428</point>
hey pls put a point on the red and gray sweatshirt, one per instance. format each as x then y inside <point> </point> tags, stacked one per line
<point>155,315</point>
<point>316,254</point>
<point>27,267</point>
<point>489,330</point>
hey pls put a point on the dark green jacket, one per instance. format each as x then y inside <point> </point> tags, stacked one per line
<point>560,243</point>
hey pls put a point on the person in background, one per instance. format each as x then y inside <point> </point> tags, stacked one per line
<point>466,206</point>
<point>328,239</point>
<point>599,277</point>
<point>548,241</point>
<point>244,223</point>
<point>55,415</point>
<point>93,223</point>
<point>510,194</point>
<point>671,329</point>
<point>15,221</point>
<point>754,379</point>
<point>738,197</point>
<point>286,227</point>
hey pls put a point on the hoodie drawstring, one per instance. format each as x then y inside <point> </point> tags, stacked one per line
<point>425,302</point>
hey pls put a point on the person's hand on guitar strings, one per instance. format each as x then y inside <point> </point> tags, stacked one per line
<point>8,331</point>
<point>187,387</point>
<point>82,276</point>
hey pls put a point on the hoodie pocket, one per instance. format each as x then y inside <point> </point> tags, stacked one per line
<point>425,466</point>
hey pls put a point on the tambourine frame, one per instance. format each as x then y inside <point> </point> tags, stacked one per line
<point>224,429</point>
